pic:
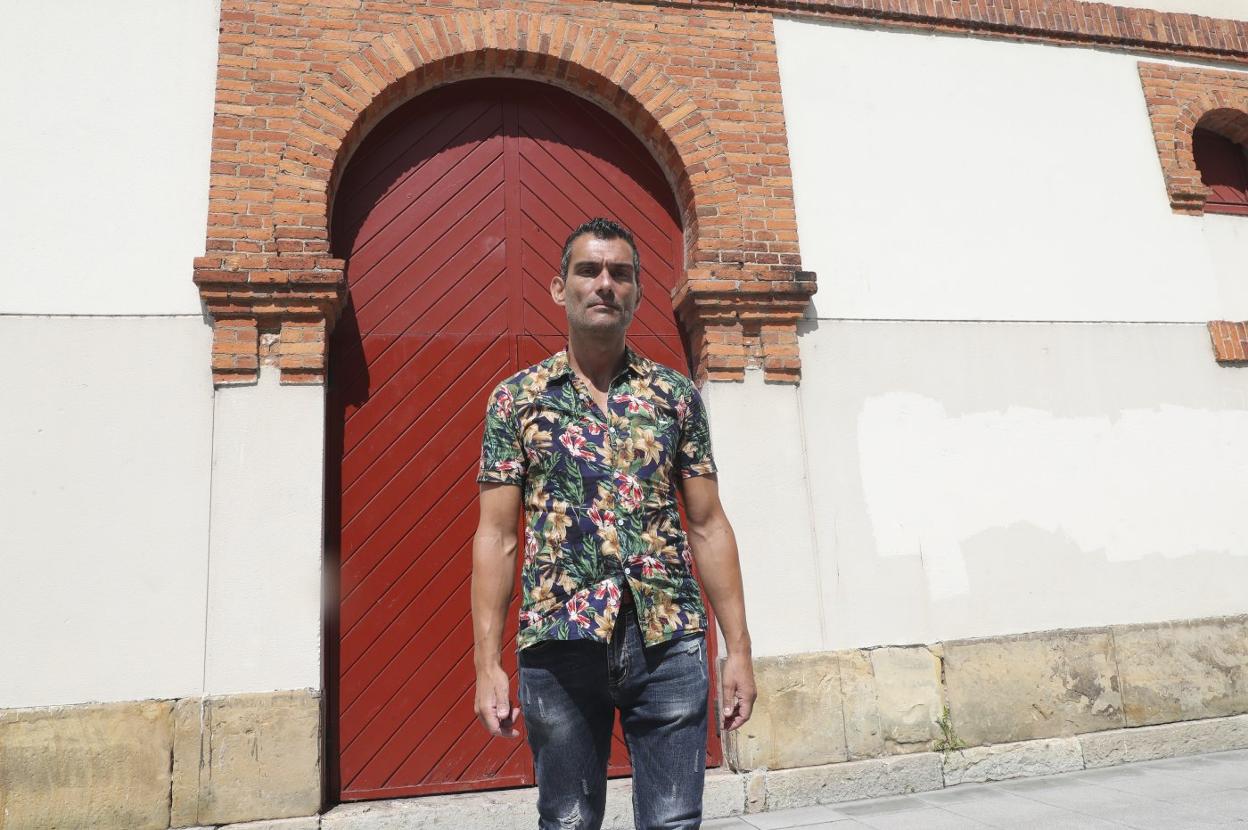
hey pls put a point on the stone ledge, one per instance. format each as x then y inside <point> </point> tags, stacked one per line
<point>1169,740</point>
<point>304,823</point>
<point>1023,759</point>
<point>899,775</point>
<point>732,794</point>
<point>514,809</point>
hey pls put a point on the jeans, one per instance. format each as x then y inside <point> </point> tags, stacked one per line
<point>569,692</point>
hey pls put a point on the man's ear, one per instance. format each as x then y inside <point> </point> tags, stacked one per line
<point>556,289</point>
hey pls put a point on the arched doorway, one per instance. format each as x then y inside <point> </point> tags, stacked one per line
<point>451,217</point>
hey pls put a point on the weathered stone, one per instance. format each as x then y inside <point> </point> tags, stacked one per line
<point>797,719</point>
<point>909,697</point>
<point>1018,760</point>
<point>1171,740</point>
<point>256,757</point>
<point>500,810</point>
<point>897,775</point>
<point>99,765</point>
<point>1183,670</point>
<point>723,795</point>
<point>305,823</point>
<point>184,810</point>
<point>864,737</point>
<point>1046,685</point>
<point>755,791</point>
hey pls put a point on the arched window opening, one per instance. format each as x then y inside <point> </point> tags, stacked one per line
<point>1223,166</point>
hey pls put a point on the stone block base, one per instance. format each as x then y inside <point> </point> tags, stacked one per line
<point>100,765</point>
<point>828,707</point>
<point>243,757</point>
<point>150,765</point>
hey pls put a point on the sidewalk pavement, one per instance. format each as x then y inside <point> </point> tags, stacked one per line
<point>1175,794</point>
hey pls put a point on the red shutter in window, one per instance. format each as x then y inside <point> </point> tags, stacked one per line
<point>1224,169</point>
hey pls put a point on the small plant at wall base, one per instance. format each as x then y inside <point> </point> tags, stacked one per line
<point>948,741</point>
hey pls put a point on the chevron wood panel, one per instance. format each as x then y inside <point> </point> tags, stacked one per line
<point>452,216</point>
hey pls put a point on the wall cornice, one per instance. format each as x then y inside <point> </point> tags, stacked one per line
<point>1054,21</point>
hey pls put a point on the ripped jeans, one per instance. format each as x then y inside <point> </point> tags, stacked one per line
<point>569,692</point>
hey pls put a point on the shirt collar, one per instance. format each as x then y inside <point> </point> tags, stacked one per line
<point>561,367</point>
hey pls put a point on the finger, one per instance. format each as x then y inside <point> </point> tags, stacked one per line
<point>489,720</point>
<point>729,697</point>
<point>742,714</point>
<point>746,709</point>
<point>507,727</point>
<point>729,715</point>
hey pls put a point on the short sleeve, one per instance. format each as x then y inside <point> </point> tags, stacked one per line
<point>694,455</point>
<point>502,456</point>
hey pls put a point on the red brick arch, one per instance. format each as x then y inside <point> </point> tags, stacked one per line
<point>1180,99</point>
<point>588,61</point>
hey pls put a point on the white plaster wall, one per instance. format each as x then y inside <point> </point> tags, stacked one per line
<point>117,453</point>
<point>106,434</point>
<point>1227,9</point>
<point>765,497</point>
<point>952,178</point>
<point>972,479</point>
<point>970,473</point>
<point>105,154</point>
<point>264,579</point>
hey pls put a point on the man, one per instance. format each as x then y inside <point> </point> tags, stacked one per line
<point>594,441</point>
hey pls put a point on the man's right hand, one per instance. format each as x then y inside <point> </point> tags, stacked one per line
<point>494,708</point>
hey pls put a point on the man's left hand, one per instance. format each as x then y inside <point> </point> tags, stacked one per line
<point>738,691</point>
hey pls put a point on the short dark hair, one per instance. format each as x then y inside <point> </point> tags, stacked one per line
<point>600,228</point>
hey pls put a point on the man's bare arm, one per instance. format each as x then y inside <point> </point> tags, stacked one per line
<point>493,579</point>
<point>714,549</point>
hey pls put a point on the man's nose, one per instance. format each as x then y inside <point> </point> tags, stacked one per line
<point>603,282</point>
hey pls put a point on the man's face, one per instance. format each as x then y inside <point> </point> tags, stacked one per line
<point>600,291</point>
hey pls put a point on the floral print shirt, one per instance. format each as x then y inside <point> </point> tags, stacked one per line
<point>600,496</point>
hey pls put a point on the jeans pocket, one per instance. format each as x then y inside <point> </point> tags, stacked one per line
<point>690,643</point>
<point>693,645</point>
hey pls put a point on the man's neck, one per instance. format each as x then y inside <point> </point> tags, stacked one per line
<point>597,361</point>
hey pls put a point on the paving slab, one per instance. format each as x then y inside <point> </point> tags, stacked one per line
<point>924,818</point>
<point>800,817</point>
<point>1001,809</point>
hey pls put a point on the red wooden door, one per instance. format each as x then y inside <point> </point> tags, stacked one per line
<point>452,217</point>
